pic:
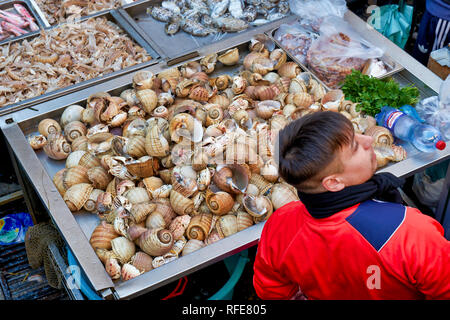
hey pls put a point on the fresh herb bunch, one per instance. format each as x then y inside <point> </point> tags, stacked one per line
<point>372,93</point>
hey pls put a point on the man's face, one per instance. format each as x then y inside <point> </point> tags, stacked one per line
<point>359,160</point>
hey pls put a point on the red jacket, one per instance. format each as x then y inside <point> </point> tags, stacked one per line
<point>373,250</point>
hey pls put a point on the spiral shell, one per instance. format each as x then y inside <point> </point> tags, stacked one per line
<point>332,100</point>
<point>80,143</point>
<point>265,109</point>
<point>243,220</point>
<point>191,246</point>
<point>156,242</point>
<point>302,99</point>
<point>155,220</point>
<point>219,202</point>
<point>137,195</point>
<point>123,248</point>
<point>140,211</point>
<point>226,225</point>
<point>208,63</point>
<point>289,69</point>
<point>262,65</point>
<point>166,211</point>
<point>134,231</point>
<point>199,93</point>
<point>282,194</point>
<point>201,76</point>
<point>264,93</point>
<point>143,167</point>
<point>48,126</point>
<point>297,85</point>
<point>129,271</point>
<point>57,146</point>
<point>71,113</point>
<point>186,186</point>
<point>91,203</point>
<point>380,135</point>
<point>76,196</point>
<point>178,226</point>
<point>102,235</point>
<point>37,141</point>
<point>99,177</point>
<point>261,183</point>
<point>113,268</point>
<point>142,261</point>
<point>58,181</point>
<point>214,115</point>
<point>270,171</point>
<point>199,226</point>
<point>74,175</point>
<point>221,82</point>
<point>259,207</point>
<point>180,204</point>
<point>155,143</point>
<point>143,79</point>
<point>230,57</point>
<point>148,98</point>
<point>279,56</point>
<point>82,158</point>
<point>220,99</point>
<point>74,129</point>
<point>135,147</point>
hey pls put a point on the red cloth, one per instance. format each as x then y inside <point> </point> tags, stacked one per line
<point>331,259</point>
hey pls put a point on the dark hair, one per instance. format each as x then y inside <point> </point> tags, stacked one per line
<point>307,146</point>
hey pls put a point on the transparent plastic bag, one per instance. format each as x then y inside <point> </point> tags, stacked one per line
<point>317,9</point>
<point>338,50</point>
<point>296,39</point>
<point>435,110</point>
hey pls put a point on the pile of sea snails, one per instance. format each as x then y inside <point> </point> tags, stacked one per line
<point>184,158</point>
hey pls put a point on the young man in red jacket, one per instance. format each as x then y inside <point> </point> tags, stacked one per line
<point>349,236</point>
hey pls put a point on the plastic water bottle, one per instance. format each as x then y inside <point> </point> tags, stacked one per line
<point>424,137</point>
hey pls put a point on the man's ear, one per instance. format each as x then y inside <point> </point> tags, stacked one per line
<point>333,183</point>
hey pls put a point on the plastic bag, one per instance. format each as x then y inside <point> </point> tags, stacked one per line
<point>338,50</point>
<point>393,21</point>
<point>444,93</point>
<point>296,39</point>
<point>435,110</point>
<point>13,228</point>
<point>314,10</point>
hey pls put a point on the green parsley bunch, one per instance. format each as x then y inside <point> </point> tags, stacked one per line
<point>373,93</point>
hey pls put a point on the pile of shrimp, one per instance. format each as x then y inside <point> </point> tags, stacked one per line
<point>63,56</point>
<point>57,11</point>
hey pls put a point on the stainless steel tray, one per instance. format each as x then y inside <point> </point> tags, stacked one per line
<point>76,228</point>
<point>44,15</point>
<point>9,7</point>
<point>181,43</point>
<point>112,16</point>
<point>392,66</point>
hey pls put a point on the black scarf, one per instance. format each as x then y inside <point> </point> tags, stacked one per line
<point>382,186</point>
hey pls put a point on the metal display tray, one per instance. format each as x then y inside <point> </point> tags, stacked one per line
<point>30,6</point>
<point>392,66</point>
<point>125,26</point>
<point>181,43</point>
<point>76,228</point>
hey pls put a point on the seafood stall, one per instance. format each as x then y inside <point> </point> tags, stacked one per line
<point>168,168</point>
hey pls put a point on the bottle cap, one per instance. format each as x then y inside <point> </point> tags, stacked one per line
<point>440,145</point>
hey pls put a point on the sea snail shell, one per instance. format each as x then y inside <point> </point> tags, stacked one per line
<point>156,242</point>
